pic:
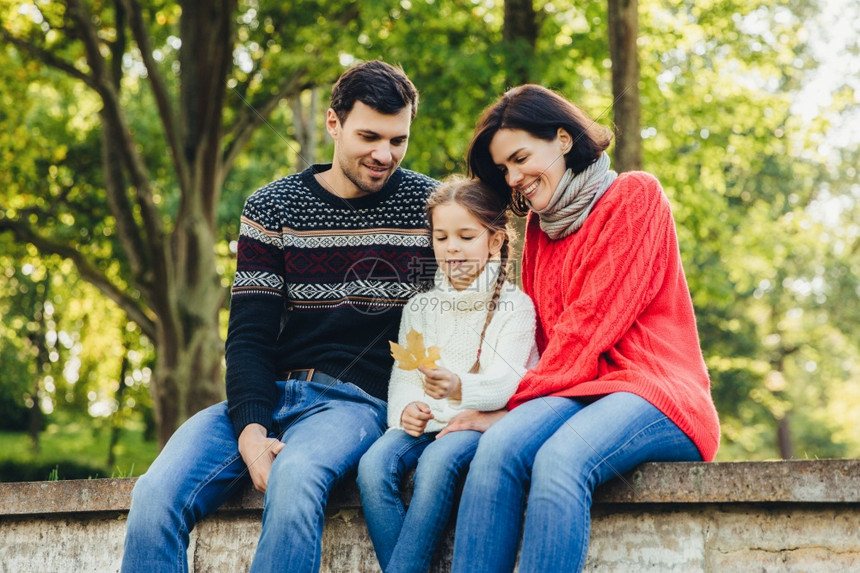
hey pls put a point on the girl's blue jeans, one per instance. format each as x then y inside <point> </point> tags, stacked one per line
<point>404,539</point>
<point>326,429</point>
<point>555,452</point>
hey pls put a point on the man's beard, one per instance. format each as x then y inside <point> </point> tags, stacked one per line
<point>364,184</point>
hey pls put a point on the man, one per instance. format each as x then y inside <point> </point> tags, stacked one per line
<point>324,266</point>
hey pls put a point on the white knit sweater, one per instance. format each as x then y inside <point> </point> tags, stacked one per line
<point>452,320</point>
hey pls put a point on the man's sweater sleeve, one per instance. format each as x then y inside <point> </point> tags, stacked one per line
<point>255,321</point>
<point>251,359</point>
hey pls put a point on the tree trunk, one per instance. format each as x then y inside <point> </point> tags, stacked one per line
<point>35,419</point>
<point>177,274</point>
<point>188,374</point>
<point>623,32</point>
<point>520,37</point>
<point>43,362</point>
<point>305,124</point>
<point>784,438</point>
<point>116,419</point>
<point>173,291</point>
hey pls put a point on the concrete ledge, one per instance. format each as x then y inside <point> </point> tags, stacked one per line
<point>745,516</point>
<point>819,481</point>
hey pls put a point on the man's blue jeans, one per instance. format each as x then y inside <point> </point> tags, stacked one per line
<point>326,429</point>
<point>556,451</point>
<point>404,540</point>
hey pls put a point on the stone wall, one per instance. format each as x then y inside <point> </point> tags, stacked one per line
<point>685,517</point>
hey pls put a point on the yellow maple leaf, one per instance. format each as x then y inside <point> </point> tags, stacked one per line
<point>414,354</point>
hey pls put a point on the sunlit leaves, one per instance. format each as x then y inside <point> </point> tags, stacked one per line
<point>765,201</point>
<point>741,169</point>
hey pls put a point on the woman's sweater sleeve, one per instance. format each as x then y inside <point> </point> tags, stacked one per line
<point>505,357</point>
<point>404,386</point>
<point>620,273</point>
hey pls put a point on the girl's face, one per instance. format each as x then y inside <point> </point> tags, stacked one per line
<point>462,245</point>
<point>532,167</point>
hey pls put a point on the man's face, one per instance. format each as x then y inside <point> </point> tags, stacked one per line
<point>368,147</point>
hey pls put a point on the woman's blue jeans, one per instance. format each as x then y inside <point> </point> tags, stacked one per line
<point>556,451</point>
<point>404,540</point>
<point>326,429</point>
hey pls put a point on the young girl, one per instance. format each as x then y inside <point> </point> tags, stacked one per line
<point>485,328</point>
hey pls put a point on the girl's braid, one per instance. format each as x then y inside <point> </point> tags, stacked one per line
<point>494,302</point>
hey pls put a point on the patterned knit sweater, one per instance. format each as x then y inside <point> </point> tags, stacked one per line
<point>320,283</point>
<point>452,320</point>
<point>615,313</point>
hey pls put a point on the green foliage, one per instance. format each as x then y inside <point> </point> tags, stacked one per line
<point>13,471</point>
<point>766,216</point>
<point>60,349</point>
<point>720,132</point>
<point>77,448</point>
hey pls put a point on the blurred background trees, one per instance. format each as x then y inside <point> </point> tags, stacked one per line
<point>131,132</point>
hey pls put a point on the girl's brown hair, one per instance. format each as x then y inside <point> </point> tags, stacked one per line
<point>490,209</point>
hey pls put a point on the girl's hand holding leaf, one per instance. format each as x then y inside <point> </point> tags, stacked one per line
<point>441,383</point>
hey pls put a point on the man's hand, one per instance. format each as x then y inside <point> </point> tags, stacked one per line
<point>258,452</point>
<point>415,417</point>
<point>472,420</point>
<point>441,383</point>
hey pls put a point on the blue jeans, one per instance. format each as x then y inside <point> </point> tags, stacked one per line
<point>404,540</point>
<point>326,429</point>
<point>556,451</point>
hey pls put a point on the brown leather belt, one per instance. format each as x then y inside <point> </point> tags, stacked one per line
<point>310,375</point>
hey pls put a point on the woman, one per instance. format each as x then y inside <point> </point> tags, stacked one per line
<point>621,379</point>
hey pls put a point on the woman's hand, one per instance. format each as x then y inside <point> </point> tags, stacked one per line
<point>472,420</point>
<point>441,383</point>
<point>415,417</point>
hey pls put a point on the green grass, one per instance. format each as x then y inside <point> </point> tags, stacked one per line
<point>83,442</point>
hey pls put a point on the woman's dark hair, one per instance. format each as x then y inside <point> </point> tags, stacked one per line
<point>381,86</point>
<point>490,209</point>
<point>540,112</point>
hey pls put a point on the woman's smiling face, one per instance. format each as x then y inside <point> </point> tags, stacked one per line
<point>532,167</point>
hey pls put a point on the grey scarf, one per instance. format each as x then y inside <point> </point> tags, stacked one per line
<point>575,197</point>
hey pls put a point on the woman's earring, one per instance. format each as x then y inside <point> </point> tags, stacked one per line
<point>519,205</point>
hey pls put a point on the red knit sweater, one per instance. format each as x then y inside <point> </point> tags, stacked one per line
<point>614,311</point>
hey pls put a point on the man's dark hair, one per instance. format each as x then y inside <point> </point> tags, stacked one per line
<point>381,86</point>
